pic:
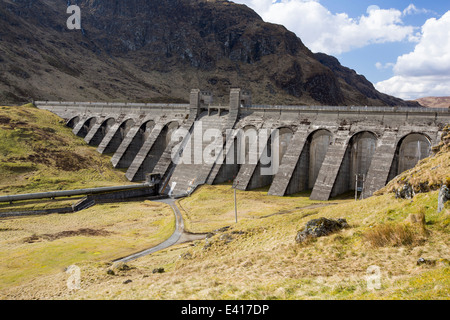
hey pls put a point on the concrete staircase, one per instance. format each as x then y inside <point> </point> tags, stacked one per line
<point>186,177</point>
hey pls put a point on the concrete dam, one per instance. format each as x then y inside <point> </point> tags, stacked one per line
<point>329,150</point>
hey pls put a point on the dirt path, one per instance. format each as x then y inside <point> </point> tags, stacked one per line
<point>179,235</point>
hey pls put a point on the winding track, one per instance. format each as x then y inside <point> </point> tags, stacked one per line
<point>181,236</point>
<point>178,236</point>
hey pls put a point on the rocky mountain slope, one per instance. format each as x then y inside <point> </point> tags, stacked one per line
<point>156,50</point>
<point>435,102</point>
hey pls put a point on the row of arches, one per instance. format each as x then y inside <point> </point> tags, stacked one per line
<point>128,137</point>
<point>357,159</point>
<point>356,162</point>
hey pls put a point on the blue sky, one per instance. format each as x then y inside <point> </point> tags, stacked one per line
<point>402,47</point>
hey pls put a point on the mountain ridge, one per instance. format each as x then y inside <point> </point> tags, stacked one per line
<point>157,51</point>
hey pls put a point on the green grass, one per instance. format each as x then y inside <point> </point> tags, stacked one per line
<point>212,207</point>
<point>38,153</point>
<point>261,260</point>
<point>256,258</point>
<point>126,228</point>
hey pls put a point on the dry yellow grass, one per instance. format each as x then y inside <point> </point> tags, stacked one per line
<point>37,246</point>
<point>257,258</point>
<point>430,173</point>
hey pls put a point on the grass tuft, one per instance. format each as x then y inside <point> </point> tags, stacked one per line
<point>395,234</point>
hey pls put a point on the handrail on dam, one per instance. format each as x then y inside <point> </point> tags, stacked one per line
<point>347,108</point>
<point>110,104</point>
<point>77,192</point>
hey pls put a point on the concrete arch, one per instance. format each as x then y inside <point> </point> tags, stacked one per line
<point>73,122</point>
<point>318,142</point>
<point>132,143</point>
<point>168,131</point>
<point>245,145</point>
<point>116,135</point>
<point>161,143</point>
<point>125,127</point>
<point>145,129</point>
<point>310,161</point>
<point>87,126</point>
<point>363,145</point>
<point>101,131</point>
<point>411,148</point>
<point>272,146</point>
<point>356,162</point>
<point>285,135</point>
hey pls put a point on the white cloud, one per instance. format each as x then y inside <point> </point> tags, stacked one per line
<point>323,31</point>
<point>381,66</point>
<point>412,9</point>
<point>372,7</point>
<point>426,70</point>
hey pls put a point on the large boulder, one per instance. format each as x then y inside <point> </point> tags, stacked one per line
<point>320,227</point>
<point>444,196</point>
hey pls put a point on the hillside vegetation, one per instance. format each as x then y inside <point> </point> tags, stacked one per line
<point>258,258</point>
<point>430,173</point>
<point>406,240</point>
<point>38,153</point>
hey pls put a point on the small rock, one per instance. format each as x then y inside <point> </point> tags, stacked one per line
<point>422,261</point>
<point>320,227</point>
<point>120,266</point>
<point>223,229</point>
<point>127,281</point>
<point>444,196</point>
<point>418,218</point>
<point>207,245</point>
<point>110,272</point>
<point>406,192</point>
<point>158,270</point>
<point>226,237</point>
<point>444,262</point>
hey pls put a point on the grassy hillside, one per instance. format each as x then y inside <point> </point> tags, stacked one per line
<point>430,173</point>
<point>41,247</point>
<point>38,153</point>
<point>256,258</point>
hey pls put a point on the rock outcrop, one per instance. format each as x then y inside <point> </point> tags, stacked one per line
<point>319,228</point>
